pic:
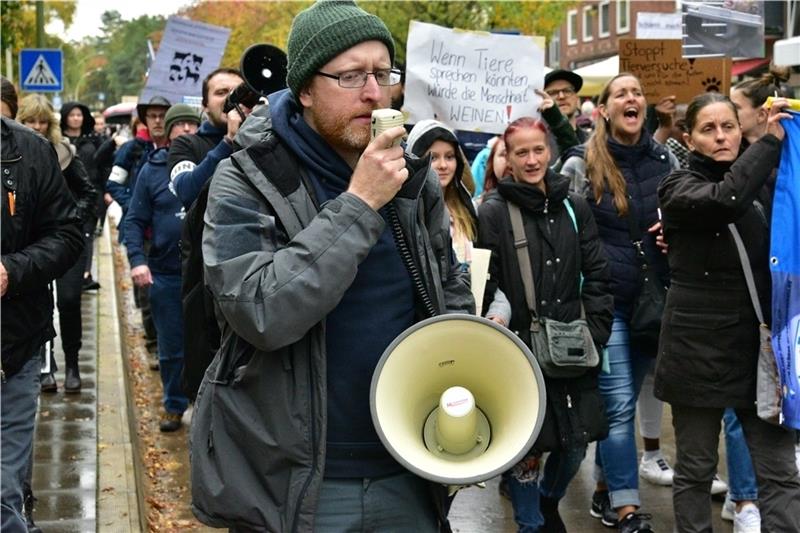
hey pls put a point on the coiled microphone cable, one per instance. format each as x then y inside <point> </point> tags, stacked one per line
<point>408,259</point>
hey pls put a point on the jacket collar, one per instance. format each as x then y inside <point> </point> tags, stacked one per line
<point>530,197</point>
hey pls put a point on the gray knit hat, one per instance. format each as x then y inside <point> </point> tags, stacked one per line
<point>180,112</point>
<point>325,30</point>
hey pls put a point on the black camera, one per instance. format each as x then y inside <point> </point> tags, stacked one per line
<point>263,68</point>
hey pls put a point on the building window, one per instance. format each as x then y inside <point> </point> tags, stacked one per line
<point>603,19</point>
<point>588,23</point>
<point>555,49</point>
<point>572,26</point>
<point>623,16</point>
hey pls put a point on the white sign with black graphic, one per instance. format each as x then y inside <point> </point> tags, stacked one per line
<point>188,52</point>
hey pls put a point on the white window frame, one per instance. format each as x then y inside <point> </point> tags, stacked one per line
<point>586,24</point>
<point>554,54</point>
<point>627,27</point>
<point>600,32</point>
<point>572,38</point>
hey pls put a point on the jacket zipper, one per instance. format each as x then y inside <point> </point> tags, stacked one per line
<point>307,483</point>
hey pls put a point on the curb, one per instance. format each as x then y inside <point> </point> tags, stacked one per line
<point>119,499</point>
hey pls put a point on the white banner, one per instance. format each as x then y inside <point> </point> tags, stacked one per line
<point>659,25</point>
<point>188,52</point>
<point>471,80</point>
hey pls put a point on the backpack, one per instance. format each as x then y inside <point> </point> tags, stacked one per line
<point>202,335</point>
<point>201,338</point>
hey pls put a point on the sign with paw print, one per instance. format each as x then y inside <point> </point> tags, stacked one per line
<point>663,71</point>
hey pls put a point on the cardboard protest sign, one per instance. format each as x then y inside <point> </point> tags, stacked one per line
<point>188,52</point>
<point>663,72</point>
<point>471,80</point>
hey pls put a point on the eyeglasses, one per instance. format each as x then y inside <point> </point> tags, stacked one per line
<point>553,93</point>
<point>355,79</point>
<point>155,116</point>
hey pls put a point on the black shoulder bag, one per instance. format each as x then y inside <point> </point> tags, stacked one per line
<point>648,307</point>
<point>562,349</point>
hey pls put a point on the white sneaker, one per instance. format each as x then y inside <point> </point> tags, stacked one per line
<point>718,486</point>
<point>728,509</point>
<point>797,455</point>
<point>656,471</point>
<point>748,520</point>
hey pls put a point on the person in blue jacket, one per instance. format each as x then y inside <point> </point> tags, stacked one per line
<point>194,158</point>
<point>154,206</point>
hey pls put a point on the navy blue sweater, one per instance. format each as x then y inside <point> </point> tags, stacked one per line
<point>377,307</point>
<point>154,206</point>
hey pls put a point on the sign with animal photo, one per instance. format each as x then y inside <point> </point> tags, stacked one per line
<point>188,52</point>
<point>470,80</point>
<point>663,72</point>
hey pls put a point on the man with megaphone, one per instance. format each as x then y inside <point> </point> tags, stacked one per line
<point>320,247</point>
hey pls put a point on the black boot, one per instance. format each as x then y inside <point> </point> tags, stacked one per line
<point>72,380</point>
<point>552,520</point>
<point>28,504</point>
<point>48,383</point>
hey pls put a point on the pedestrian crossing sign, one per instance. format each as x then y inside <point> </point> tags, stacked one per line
<point>41,69</point>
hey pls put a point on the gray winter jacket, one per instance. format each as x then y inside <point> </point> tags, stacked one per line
<point>277,265</point>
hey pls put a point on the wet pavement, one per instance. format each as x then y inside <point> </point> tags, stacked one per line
<point>101,464</point>
<point>65,453</point>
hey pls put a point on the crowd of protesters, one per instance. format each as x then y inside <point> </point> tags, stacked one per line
<point>270,292</point>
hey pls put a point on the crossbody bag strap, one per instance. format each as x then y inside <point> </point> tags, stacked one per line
<point>748,272</point>
<point>636,235</point>
<point>571,213</point>
<point>525,269</point>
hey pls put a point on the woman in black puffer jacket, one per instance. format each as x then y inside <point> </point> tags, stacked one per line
<point>710,335</point>
<point>619,175</point>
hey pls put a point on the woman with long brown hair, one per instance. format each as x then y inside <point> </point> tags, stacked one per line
<point>618,172</point>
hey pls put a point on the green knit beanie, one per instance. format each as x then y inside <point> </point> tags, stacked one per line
<point>180,112</point>
<point>325,30</point>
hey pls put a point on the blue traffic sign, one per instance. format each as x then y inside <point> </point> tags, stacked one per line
<point>41,69</point>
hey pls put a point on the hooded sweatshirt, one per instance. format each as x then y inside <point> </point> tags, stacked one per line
<point>376,308</point>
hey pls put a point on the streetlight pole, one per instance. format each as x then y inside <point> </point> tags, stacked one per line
<point>77,92</point>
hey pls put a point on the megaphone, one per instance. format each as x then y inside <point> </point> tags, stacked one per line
<point>263,68</point>
<point>457,399</point>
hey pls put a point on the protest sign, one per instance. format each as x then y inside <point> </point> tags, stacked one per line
<point>663,72</point>
<point>188,52</point>
<point>471,80</point>
<point>659,25</point>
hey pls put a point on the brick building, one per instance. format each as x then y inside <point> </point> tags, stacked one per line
<point>593,28</point>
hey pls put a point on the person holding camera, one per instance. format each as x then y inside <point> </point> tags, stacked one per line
<point>310,288</point>
<point>194,158</point>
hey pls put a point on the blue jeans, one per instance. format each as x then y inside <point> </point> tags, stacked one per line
<point>559,469</point>
<point>18,409</point>
<point>616,456</point>
<point>397,503</point>
<point>742,484</point>
<point>165,305</point>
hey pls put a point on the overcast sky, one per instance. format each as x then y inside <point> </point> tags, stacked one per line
<point>87,16</point>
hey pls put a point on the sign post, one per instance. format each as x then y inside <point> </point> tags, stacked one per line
<point>41,70</point>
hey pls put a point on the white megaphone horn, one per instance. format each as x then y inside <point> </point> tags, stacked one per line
<point>457,399</point>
